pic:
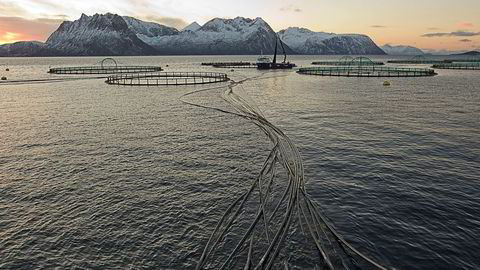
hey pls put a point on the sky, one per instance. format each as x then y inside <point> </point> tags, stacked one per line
<point>427,24</point>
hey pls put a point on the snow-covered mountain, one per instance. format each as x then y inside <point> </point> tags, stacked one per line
<point>111,34</point>
<point>305,41</point>
<point>401,50</point>
<point>99,34</point>
<point>218,36</point>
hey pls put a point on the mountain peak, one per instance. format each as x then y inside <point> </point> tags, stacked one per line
<point>194,26</point>
<point>100,34</point>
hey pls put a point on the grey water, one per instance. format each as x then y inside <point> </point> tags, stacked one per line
<point>94,176</point>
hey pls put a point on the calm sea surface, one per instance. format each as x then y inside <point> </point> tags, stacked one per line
<point>94,176</point>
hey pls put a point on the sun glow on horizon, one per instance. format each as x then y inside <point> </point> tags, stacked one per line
<point>10,37</point>
<point>432,24</point>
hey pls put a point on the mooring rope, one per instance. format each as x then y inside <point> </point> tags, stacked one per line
<point>335,252</point>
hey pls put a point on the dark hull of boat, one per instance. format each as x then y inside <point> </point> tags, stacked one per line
<point>275,65</point>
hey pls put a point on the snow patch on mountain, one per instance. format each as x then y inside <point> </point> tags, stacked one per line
<point>401,50</point>
<point>149,29</point>
<point>220,36</point>
<point>192,27</point>
<point>305,41</point>
<point>297,37</point>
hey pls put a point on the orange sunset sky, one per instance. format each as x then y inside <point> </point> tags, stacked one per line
<point>426,24</point>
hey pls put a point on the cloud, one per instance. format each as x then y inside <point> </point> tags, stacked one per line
<point>178,23</point>
<point>11,9</point>
<point>465,25</point>
<point>291,8</point>
<point>465,40</point>
<point>16,28</point>
<point>377,26</point>
<point>452,34</point>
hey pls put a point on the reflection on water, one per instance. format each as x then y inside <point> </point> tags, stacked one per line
<point>98,176</point>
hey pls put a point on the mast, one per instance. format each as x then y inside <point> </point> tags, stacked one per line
<point>275,55</point>
<point>284,53</point>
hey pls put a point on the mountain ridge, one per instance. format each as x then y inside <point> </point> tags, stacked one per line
<point>469,53</point>
<point>114,35</point>
<point>401,50</point>
<point>305,41</point>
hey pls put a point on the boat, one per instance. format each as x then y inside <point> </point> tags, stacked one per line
<point>264,59</point>
<point>264,62</point>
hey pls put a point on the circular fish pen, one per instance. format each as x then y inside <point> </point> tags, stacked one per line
<point>419,59</point>
<point>459,66</point>
<point>364,67</point>
<point>103,69</point>
<point>348,61</point>
<point>367,71</point>
<point>167,78</point>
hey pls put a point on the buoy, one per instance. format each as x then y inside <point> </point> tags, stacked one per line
<point>7,69</point>
<point>4,78</point>
<point>386,83</point>
<point>232,70</point>
<point>166,65</point>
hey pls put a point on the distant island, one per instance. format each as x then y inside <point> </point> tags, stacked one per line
<point>470,53</point>
<point>114,35</point>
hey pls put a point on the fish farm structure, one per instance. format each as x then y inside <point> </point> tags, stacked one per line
<point>419,59</point>
<point>241,63</point>
<point>467,60</point>
<point>460,66</point>
<point>367,71</point>
<point>348,61</point>
<point>364,67</point>
<point>103,68</point>
<point>167,78</point>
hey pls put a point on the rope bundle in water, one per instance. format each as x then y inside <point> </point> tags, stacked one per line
<point>252,232</point>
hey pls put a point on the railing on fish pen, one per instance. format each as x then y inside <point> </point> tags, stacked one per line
<point>466,60</point>
<point>340,63</point>
<point>237,63</point>
<point>167,78</point>
<point>349,61</point>
<point>367,71</point>
<point>419,59</point>
<point>250,65</point>
<point>88,70</point>
<point>459,66</point>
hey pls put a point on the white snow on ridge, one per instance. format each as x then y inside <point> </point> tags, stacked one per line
<point>401,50</point>
<point>296,37</point>
<point>192,27</point>
<point>214,31</point>
<point>113,34</point>
<point>306,41</point>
